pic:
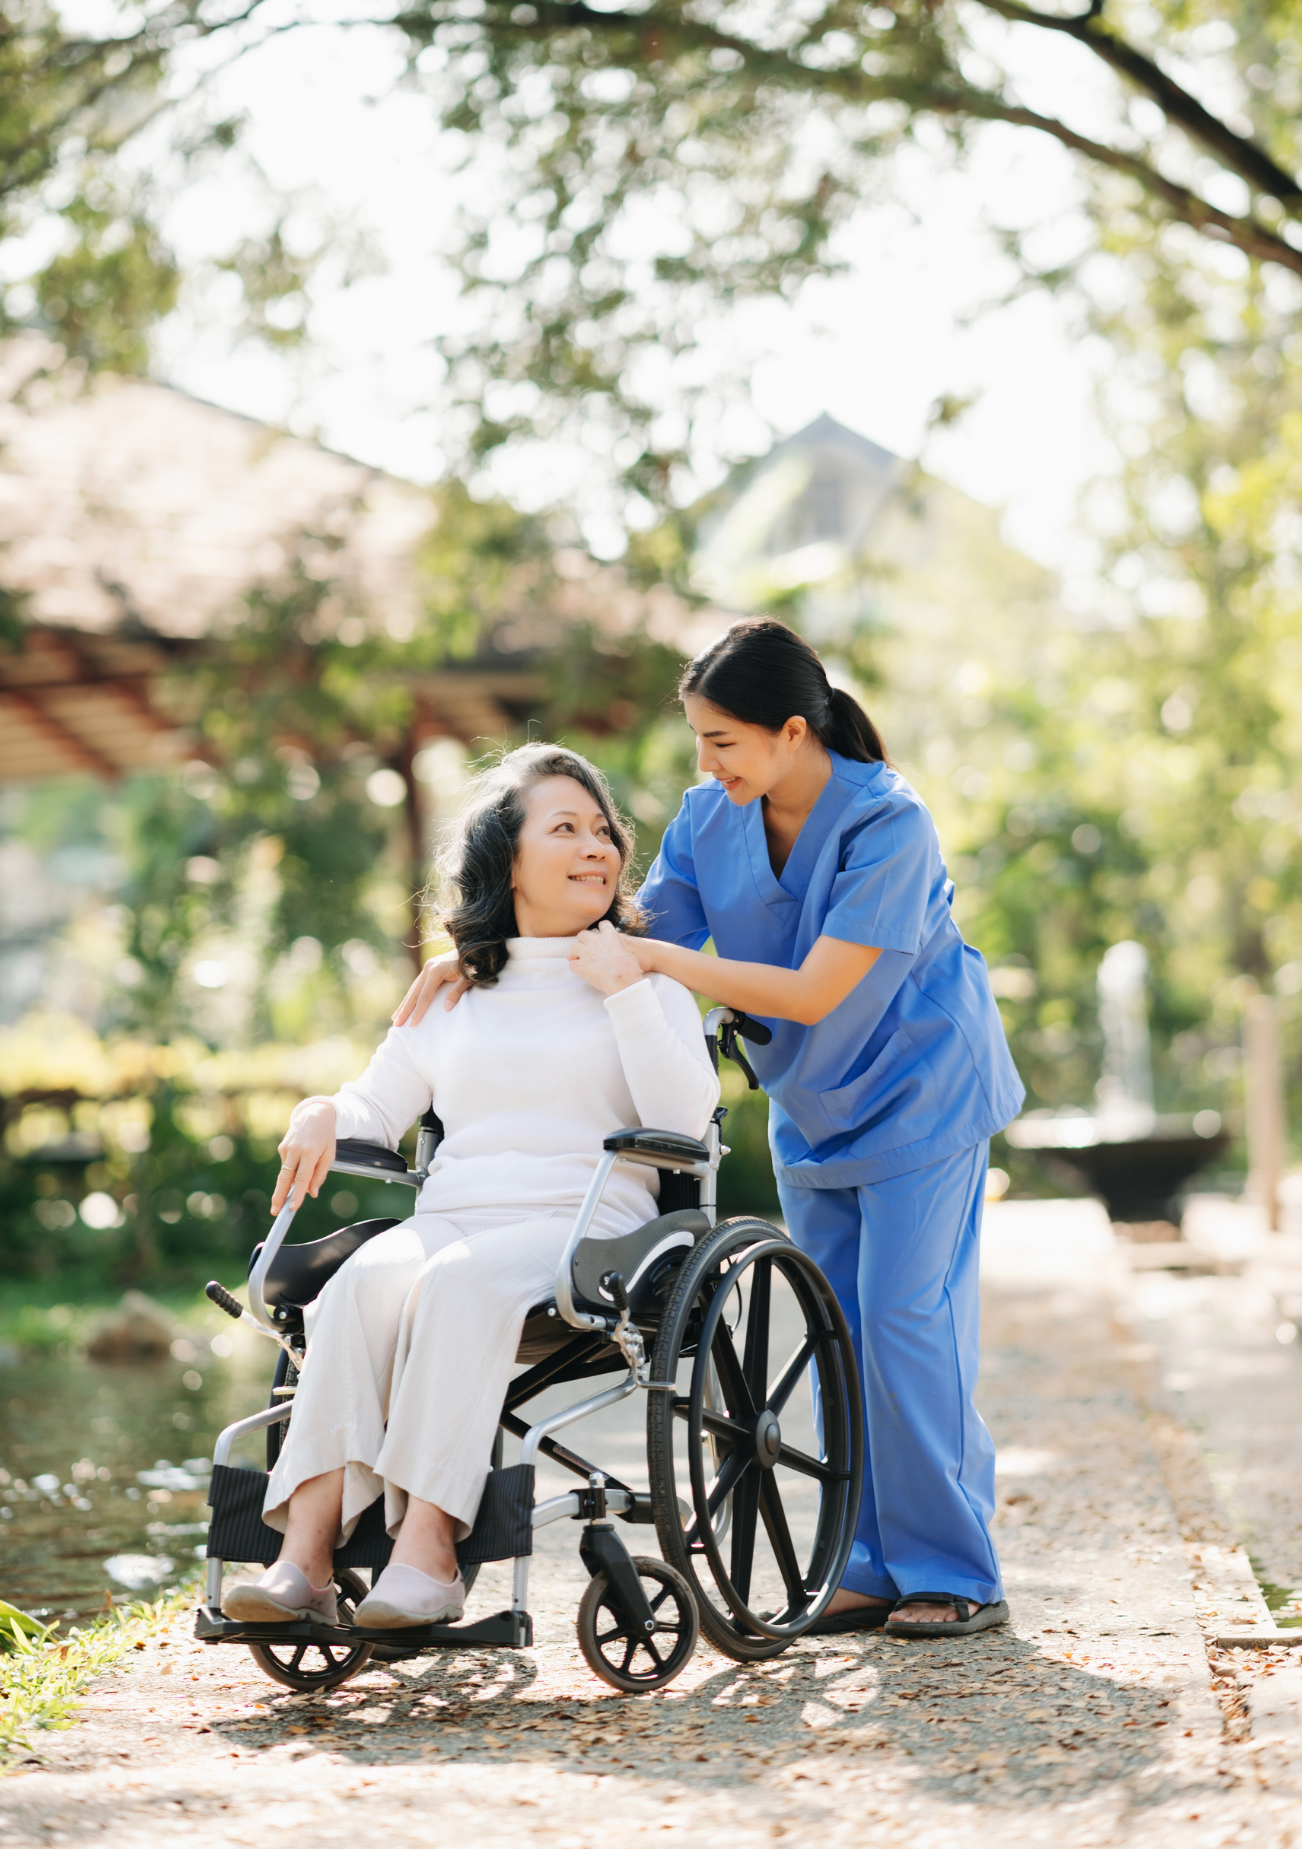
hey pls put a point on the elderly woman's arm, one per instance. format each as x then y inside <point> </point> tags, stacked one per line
<point>389,1096</point>
<point>662,1050</point>
<point>375,1108</point>
<point>658,1031</point>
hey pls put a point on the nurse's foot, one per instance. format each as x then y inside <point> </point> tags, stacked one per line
<point>845,1600</point>
<point>926,1614</point>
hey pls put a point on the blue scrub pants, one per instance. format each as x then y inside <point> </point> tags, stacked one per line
<point>901,1256</point>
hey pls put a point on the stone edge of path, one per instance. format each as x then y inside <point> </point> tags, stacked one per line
<point>1257,1680</point>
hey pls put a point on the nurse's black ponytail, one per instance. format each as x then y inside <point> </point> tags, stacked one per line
<point>763,673</point>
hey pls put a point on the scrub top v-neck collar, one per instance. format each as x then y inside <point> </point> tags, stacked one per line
<point>773,887</point>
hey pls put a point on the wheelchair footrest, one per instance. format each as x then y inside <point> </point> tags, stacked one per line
<point>503,1630</point>
<point>510,1630</point>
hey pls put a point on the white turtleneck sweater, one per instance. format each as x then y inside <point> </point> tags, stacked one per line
<point>529,1076</point>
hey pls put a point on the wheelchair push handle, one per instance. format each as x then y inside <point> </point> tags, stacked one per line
<point>722,1027</point>
<point>218,1294</point>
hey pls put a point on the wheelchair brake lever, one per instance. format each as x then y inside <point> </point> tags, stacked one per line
<point>218,1294</point>
<point>730,1050</point>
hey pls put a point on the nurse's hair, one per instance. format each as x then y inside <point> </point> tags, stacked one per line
<point>475,867</point>
<point>763,673</point>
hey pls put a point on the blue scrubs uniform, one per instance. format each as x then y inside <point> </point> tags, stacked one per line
<point>879,1119</point>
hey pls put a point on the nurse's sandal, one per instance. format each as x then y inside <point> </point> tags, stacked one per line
<point>971,1617</point>
<point>853,1618</point>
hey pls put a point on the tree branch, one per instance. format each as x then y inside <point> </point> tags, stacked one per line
<point>1247,234</point>
<point>1244,157</point>
<point>852,84</point>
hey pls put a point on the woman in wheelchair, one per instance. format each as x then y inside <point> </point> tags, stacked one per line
<point>413,1340</point>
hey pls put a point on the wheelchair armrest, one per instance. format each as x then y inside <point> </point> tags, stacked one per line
<point>658,1148</point>
<point>369,1156</point>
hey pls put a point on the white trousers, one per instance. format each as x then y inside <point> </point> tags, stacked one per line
<point>417,1332</point>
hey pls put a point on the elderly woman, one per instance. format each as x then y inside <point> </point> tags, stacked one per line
<point>560,1040</point>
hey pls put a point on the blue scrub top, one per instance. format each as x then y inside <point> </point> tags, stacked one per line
<point>913,1065</point>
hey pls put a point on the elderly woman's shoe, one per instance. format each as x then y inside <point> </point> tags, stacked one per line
<point>403,1596</point>
<point>283,1594</point>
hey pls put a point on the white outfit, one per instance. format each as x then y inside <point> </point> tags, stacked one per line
<point>418,1331</point>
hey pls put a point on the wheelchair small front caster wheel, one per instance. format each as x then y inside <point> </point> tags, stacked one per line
<point>312,1668</point>
<point>636,1663</point>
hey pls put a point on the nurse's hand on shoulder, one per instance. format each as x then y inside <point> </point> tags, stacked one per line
<point>436,973</point>
<point>606,958</point>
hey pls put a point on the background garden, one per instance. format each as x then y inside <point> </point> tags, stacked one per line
<point>231,929</point>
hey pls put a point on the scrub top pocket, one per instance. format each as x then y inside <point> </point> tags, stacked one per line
<point>898,1083</point>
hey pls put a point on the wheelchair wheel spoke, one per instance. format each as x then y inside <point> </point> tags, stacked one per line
<point>755,1364</point>
<point>720,1427</point>
<point>775,1523</point>
<point>731,1378</point>
<point>780,1391</point>
<point>606,1637</point>
<point>653,1653</point>
<point>629,1654</point>
<point>296,1661</point>
<point>745,1514</point>
<point>733,1469</point>
<point>716,1423</point>
<point>809,1466</point>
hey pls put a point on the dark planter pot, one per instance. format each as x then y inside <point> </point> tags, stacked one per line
<point>1138,1178</point>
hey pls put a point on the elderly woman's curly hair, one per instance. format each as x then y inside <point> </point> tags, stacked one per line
<point>475,868</point>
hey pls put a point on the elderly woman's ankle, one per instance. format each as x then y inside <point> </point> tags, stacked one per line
<point>319,1570</point>
<point>427,1541</point>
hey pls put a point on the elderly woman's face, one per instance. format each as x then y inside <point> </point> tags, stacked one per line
<point>566,866</point>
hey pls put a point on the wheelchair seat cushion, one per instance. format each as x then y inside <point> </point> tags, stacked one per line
<point>302,1272</point>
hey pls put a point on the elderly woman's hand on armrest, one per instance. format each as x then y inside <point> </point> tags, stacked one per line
<point>306,1152</point>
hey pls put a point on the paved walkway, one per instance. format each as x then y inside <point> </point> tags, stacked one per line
<point>1105,1714</point>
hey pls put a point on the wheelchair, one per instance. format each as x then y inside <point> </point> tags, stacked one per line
<point>754,1528</point>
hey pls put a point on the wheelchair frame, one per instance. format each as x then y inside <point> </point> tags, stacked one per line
<point>616,1589</point>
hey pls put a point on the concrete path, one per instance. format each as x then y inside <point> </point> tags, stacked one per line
<point>1104,1714</point>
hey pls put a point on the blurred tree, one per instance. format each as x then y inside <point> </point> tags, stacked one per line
<point>73,99</point>
<point>751,133</point>
<point>668,160</point>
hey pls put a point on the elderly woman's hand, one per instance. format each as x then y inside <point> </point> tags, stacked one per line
<point>607,959</point>
<point>306,1152</point>
<point>436,972</point>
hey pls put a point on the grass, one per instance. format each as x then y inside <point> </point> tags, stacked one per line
<point>42,1677</point>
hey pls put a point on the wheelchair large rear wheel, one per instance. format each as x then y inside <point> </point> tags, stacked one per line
<point>312,1668</point>
<point>755,1466</point>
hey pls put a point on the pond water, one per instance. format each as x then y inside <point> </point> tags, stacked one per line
<point>104,1468</point>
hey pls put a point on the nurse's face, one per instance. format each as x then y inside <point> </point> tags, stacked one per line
<point>747,760</point>
<point>566,864</point>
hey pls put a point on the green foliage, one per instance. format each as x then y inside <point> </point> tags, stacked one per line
<point>43,1675</point>
<point>191,1205</point>
<point>753,133</point>
<point>102,293</point>
<point>674,160</point>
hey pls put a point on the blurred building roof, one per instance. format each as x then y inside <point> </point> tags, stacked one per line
<point>134,517</point>
<point>797,519</point>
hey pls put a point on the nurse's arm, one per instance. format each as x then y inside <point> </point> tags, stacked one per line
<point>807,994</point>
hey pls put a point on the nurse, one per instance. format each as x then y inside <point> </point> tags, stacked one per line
<point>816,871</point>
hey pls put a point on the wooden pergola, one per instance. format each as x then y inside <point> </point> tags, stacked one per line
<point>133,520</point>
